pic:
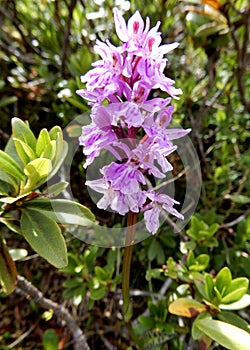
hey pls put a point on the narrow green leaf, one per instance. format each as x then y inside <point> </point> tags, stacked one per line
<point>8,165</point>
<point>8,272</point>
<point>44,236</point>
<point>21,131</point>
<point>225,334</point>
<point>24,151</point>
<point>42,141</point>
<point>209,286</point>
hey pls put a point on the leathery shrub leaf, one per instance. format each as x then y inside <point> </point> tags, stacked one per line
<point>225,334</point>
<point>44,236</point>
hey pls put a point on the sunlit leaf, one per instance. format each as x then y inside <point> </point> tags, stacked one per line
<point>37,172</point>
<point>42,141</point>
<point>237,305</point>
<point>8,165</point>
<point>21,131</point>
<point>225,334</point>
<point>24,151</point>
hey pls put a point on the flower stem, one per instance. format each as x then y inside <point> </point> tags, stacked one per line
<point>126,267</point>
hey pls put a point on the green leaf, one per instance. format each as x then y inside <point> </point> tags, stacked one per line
<point>153,249</point>
<point>196,332</point>
<point>24,151</point>
<point>147,321</point>
<point>59,158</point>
<point>225,334</point>
<point>8,272</point>
<point>212,230</point>
<point>97,294</point>
<point>49,151</point>
<point>50,340</point>
<point>10,223</point>
<point>209,286</point>
<point>211,28</point>
<point>8,184</point>
<point>240,304</point>
<point>234,319</point>
<point>223,280</point>
<point>56,189</point>
<point>63,211</point>
<point>200,285</point>
<point>238,198</point>
<point>101,274</point>
<point>42,141</point>
<point>8,165</point>
<point>8,100</point>
<point>21,131</point>
<point>37,172</point>
<point>44,236</point>
<point>235,291</point>
<point>200,263</point>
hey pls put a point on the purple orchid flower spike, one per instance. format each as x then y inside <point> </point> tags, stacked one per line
<point>130,124</point>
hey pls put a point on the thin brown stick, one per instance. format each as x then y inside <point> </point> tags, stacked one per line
<point>25,288</point>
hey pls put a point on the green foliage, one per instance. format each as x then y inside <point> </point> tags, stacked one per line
<point>26,164</point>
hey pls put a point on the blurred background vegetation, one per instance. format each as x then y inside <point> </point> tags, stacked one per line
<point>45,46</point>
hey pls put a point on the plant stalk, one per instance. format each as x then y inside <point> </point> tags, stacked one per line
<point>126,267</point>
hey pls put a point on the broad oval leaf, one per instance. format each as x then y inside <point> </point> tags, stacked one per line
<point>63,211</point>
<point>234,319</point>
<point>225,334</point>
<point>44,236</point>
<point>186,307</point>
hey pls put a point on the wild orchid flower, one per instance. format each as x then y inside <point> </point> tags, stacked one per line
<point>131,125</point>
